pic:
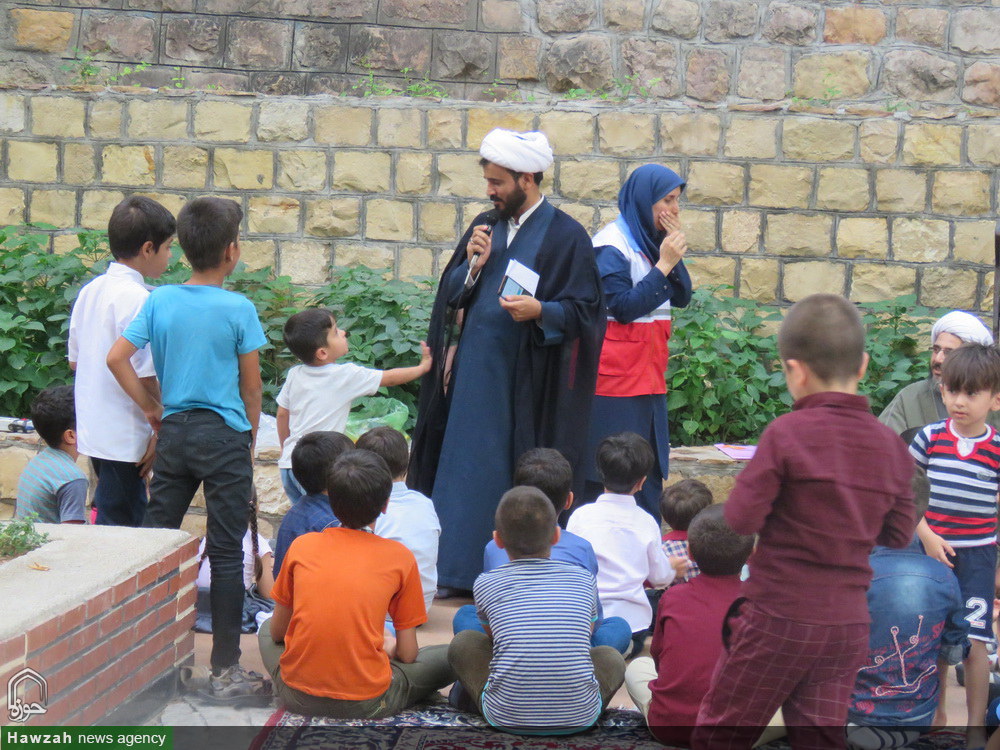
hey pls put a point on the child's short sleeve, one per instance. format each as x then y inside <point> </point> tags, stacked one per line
<point>362,381</point>
<point>72,501</point>
<point>282,399</point>
<point>407,608</point>
<point>920,446</point>
<point>137,332</point>
<point>250,334</point>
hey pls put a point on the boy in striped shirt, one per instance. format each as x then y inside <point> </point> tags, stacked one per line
<point>962,458</point>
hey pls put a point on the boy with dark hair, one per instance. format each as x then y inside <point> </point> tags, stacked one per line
<point>410,518</point>
<point>679,504</point>
<point>111,429</point>
<point>312,458</point>
<point>625,538</point>
<point>372,577</point>
<point>687,634</point>
<point>317,394</point>
<point>204,342</point>
<point>52,486</point>
<point>827,483</point>
<point>533,670</point>
<point>962,457</point>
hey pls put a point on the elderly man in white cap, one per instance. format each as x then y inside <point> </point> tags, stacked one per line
<point>516,334</point>
<point>919,404</point>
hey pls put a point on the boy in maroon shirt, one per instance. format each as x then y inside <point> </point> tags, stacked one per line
<point>827,483</point>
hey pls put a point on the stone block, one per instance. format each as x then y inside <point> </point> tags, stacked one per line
<point>707,74</point>
<point>708,270</point>
<point>932,144</point>
<point>157,119</point>
<point>12,206</point>
<point>578,62</point>
<point>361,171</point>
<point>741,231</point>
<point>320,46</point>
<point>568,132</point>
<point>463,55</point>
<point>982,84</point>
<point>170,201</point>
<point>58,116</point>
<point>752,138</point>
<point>517,57</point>
<point>876,282</point>
<point>444,129</point>
<point>41,30</point>
<point>984,144</point>
<point>832,75</point>
<point>416,263</point>
<point>482,120</point>
<point>759,279</point>
<point>920,240</point>
<point>582,213</point>
<point>879,140</point>
<point>413,173</point>
<point>854,24</point>
<point>678,18</point>
<point>460,175</point>
<point>862,237</point>
<point>974,241</point>
<point>798,234</point>
<point>700,229</point>
<point>926,26</point>
<point>503,15</point>
<point>653,65</point>
<point>79,164</point>
<point>364,254</point>
<point>813,277</point>
<point>954,288</point>
<point>278,84</point>
<point>591,179</point>
<point>128,165</point>
<point>305,261</point>
<point>12,119</point>
<point>237,169</point>
<point>715,184</point>
<point>32,162</point>
<point>400,127</point>
<point>385,48</point>
<point>96,206</point>
<point>900,190</point>
<point>222,121</point>
<point>105,119</point>
<point>119,36</point>
<point>425,12</point>
<point>193,40</point>
<point>302,170</point>
<point>961,193</point>
<point>778,186</point>
<point>843,189</point>
<point>259,44</point>
<point>787,23</point>
<point>333,217</point>
<point>625,134</point>
<point>438,223</point>
<point>565,15</point>
<point>273,214</point>
<point>817,139</point>
<point>976,31</point>
<point>730,19</point>
<point>919,75</point>
<point>343,126</point>
<point>283,120</point>
<point>56,207</point>
<point>690,134</point>
<point>762,74</point>
<point>257,254</point>
<point>184,167</point>
<point>624,15</point>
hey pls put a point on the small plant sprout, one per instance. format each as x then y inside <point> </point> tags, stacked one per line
<point>20,536</point>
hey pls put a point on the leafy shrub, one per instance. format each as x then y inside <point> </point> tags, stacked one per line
<point>19,536</point>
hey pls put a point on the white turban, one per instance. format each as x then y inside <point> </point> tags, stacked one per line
<point>522,152</point>
<point>965,326</point>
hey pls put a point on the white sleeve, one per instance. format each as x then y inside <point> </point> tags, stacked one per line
<point>73,344</point>
<point>263,548</point>
<point>282,399</point>
<point>660,571</point>
<point>363,381</point>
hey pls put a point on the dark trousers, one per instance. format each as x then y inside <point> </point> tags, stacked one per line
<point>120,496</point>
<point>198,448</point>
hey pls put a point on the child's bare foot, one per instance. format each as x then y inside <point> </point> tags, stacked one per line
<point>975,736</point>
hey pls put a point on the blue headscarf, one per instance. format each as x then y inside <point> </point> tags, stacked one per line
<point>644,187</point>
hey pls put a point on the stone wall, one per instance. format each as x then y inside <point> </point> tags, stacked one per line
<point>706,50</point>
<point>779,204</point>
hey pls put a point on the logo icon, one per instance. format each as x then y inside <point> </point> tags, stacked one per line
<point>19,706</point>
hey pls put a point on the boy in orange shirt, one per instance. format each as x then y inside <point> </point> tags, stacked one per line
<point>330,657</point>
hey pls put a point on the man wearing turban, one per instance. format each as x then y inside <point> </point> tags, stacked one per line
<point>513,369</point>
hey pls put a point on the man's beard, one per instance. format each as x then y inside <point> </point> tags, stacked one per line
<point>513,203</point>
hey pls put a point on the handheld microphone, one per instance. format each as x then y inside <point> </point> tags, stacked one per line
<point>490,219</point>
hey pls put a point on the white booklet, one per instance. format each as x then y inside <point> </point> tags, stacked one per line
<point>518,279</point>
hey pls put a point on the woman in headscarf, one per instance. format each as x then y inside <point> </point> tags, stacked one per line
<point>640,258</point>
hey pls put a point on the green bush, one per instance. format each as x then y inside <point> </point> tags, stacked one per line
<point>19,536</point>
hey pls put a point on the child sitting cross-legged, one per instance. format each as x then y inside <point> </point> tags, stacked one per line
<point>332,658</point>
<point>533,671</point>
<point>679,504</point>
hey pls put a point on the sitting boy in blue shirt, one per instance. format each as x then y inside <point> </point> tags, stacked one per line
<point>312,458</point>
<point>533,671</point>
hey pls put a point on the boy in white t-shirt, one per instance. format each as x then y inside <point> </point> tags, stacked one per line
<point>317,394</point>
<point>110,428</point>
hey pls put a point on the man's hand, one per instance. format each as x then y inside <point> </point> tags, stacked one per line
<point>479,244</point>
<point>522,307</point>
<point>154,416</point>
<point>145,463</point>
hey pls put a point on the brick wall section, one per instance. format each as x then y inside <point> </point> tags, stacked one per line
<point>112,646</point>
<point>780,204</point>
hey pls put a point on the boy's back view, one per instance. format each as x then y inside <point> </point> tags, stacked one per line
<point>828,481</point>
<point>204,341</point>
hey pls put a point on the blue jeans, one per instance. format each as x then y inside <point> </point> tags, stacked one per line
<point>120,495</point>
<point>198,448</point>
<point>611,631</point>
<point>292,487</point>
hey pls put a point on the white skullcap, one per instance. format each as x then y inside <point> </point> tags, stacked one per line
<point>523,152</point>
<point>965,326</point>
